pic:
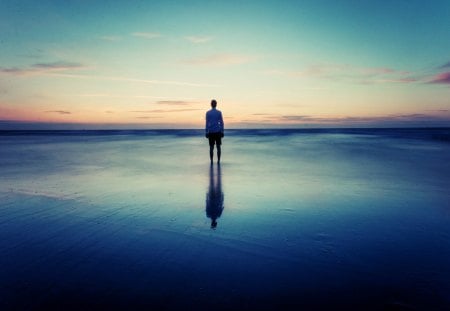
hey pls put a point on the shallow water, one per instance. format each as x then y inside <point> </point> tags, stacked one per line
<point>320,219</point>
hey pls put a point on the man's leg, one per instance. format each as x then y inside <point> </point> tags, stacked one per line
<point>211,147</point>
<point>219,151</point>
<point>219,145</point>
<point>211,152</point>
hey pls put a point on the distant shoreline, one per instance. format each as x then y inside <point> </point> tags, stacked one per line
<point>430,133</point>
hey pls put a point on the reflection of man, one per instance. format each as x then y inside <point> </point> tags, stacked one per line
<point>214,197</point>
<point>214,130</point>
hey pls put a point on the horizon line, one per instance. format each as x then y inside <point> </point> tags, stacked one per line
<point>18,125</point>
<point>228,129</point>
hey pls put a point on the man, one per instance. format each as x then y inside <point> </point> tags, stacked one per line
<point>214,130</point>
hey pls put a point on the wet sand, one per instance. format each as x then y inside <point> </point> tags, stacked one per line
<point>319,220</point>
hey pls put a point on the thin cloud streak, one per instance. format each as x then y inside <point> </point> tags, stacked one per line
<point>347,119</point>
<point>198,39</point>
<point>104,95</point>
<point>299,121</point>
<point>165,110</point>
<point>58,65</point>
<point>58,111</point>
<point>147,35</point>
<point>439,110</point>
<point>178,83</point>
<point>42,68</point>
<point>442,78</point>
<point>174,102</point>
<point>404,80</point>
<point>219,60</point>
<point>111,38</point>
<point>445,66</point>
<point>347,73</point>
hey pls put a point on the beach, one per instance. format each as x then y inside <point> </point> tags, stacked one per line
<point>305,219</point>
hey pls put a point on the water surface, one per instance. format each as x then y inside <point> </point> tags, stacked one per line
<point>315,219</point>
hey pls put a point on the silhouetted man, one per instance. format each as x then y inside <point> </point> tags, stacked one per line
<point>214,130</point>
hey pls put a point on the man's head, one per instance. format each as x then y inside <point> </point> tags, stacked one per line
<point>213,103</point>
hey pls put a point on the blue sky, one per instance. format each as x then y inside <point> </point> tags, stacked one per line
<point>268,63</point>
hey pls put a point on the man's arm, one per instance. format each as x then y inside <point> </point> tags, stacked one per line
<point>222,125</point>
<point>206,126</point>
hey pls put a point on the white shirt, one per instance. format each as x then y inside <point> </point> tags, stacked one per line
<point>214,121</point>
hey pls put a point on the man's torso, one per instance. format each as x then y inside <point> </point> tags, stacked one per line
<point>213,119</point>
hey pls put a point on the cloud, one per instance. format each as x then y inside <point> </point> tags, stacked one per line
<point>147,35</point>
<point>173,102</point>
<point>148,111</point>
<point>445,66</point>
<point>11,70</point>
<point>124,79</point>
<point>442,78</point>
<point>58,111</point>
<point>198,39</point>
<point>297,121</point>
<point>58,66</point>
<point>438,110</point>
<point>163,99</point>
<point>111,38</point>
<point>138,125</point>
<point>347,73</point>
<point>166,110</point>
<point>376,70</point>
<point>148,117</point>
<point>366,120</point>
<point>362,75</point>
<point>318,71</point>
<point>117,96</point>
<point>400,80</point>
<point>220,60</point>
<point>42,68</point>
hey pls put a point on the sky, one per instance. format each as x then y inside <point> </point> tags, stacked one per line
<point>158,64</point>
